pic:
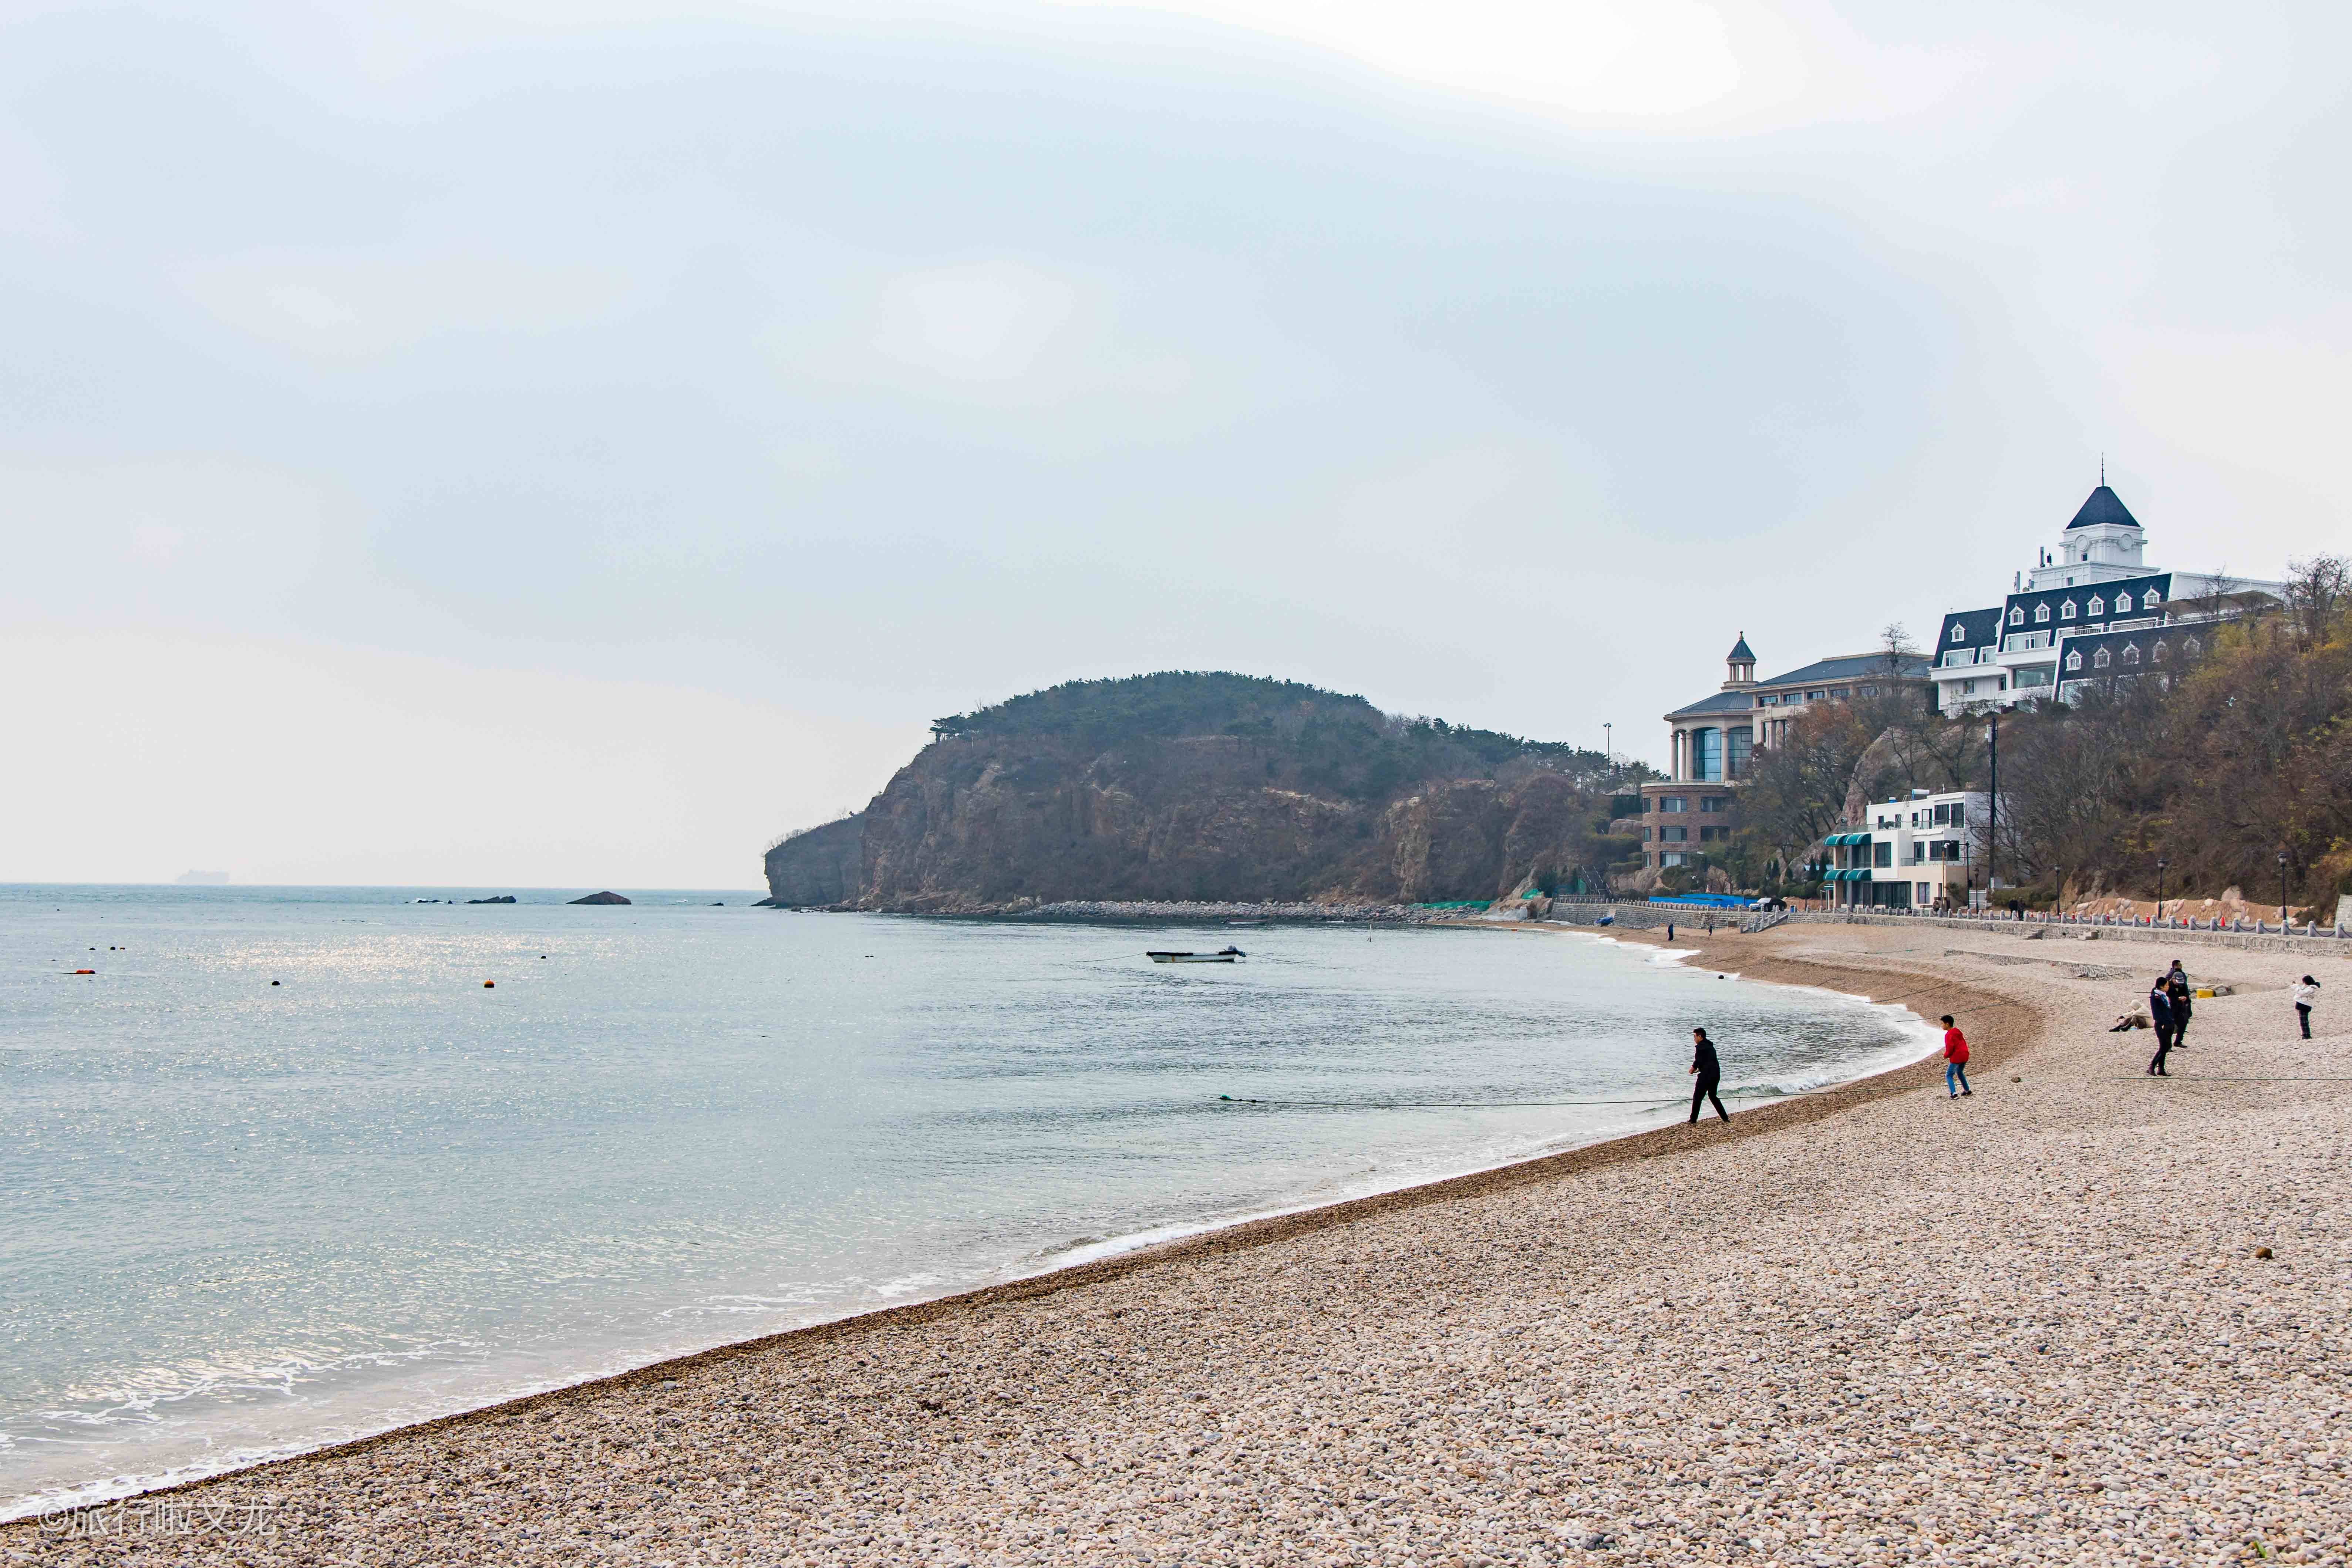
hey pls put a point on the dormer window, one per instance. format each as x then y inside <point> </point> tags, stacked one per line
<point>2150,599</point>
<point>2098,606</point>
<point>2161,654</point>
<point>2101,659</point>
<point>2017,616</point>
<point>2074,659</point>
<point>2066,611</point>
<point>2041,614</point>
<point>1959,634</point>
<point>2192,647</point>
<point>2131,653</point>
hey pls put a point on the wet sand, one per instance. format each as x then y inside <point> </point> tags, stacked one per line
<point>1875,1325</point>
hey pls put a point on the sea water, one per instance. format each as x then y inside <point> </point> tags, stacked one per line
<point>286,1171</point>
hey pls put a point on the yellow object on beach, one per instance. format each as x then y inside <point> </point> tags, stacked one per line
<point>2204,992</point>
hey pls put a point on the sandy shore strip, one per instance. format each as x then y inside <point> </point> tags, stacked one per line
<point>1871,1326</point>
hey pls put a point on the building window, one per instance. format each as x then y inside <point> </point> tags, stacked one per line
<point>2161,653</point>
<point>1882,852</point>
<point>1646,835</point>
<point>2192,647</point>
<point>2017,616</point>
<point>2098,606</point>
<point>2074,659</point>
<point>1924,894</point>
<point>2066,611</point>
<point>2101,659</point>
<point>1711,835</point>
<point>1741,745</point>
<point>1715,803</point>
<point>2131,653</point>
<point>2040,613</point>
<point>1670,860</point>
<point>2150,599</point>
<point>1959,634</point>
<point>1674,835</point>
<point>1674,803</point>
<point>1815,696</point>
<point>1706,755</point>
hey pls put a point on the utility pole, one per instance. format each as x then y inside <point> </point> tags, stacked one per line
<point>1608,742</point>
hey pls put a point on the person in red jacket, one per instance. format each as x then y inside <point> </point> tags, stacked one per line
<point>1955,1060</point>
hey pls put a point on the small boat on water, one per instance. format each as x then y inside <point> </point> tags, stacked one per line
<point>1230,955</point>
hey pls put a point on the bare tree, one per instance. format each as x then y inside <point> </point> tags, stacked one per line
<point>2318,593</point>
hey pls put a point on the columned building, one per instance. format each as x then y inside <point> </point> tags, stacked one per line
<point>1712,742</point>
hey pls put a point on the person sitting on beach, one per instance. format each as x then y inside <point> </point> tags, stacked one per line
<point>2159,1013</point>
<point>1955,1060</point>
<point>1709,1072</point>
<point>2305,995</point>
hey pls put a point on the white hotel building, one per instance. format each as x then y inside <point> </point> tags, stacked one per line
<point>2090,610</point>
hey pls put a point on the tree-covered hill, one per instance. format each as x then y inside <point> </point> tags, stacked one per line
<point>1209,784</point>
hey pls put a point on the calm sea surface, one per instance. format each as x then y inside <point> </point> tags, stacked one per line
<point>239,1219</point>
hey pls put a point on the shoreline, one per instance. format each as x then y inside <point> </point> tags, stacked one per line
<point>1124,1254</point>
<point>2084,1316</point>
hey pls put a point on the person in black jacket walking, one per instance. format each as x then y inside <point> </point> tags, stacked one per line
<point>2161,1014</point>
<point>1709,1073</point>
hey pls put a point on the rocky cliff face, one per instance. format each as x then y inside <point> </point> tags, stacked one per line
<point>1284,793</point>
<point>821,867</point>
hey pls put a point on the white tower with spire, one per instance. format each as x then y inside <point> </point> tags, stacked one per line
<point>2104,543</point>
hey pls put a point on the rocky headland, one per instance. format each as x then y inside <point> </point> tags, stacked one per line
<point>1208,789</point>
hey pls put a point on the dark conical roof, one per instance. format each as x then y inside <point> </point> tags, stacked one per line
<point>2104,505</point>
<point>1740,652</point>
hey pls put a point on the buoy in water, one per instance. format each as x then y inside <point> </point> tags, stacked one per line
<point>490,984</point>
<point>85,972</point>
<point>273,983</point>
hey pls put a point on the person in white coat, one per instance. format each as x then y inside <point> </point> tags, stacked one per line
<point>2305,995</point>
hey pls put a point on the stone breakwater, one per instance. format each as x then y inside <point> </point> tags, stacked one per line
<point>2083,1317</point>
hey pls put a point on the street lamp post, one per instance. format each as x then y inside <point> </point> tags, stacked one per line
<point>1992,810</point>
<point>2281,892</point>
<point>1608,742</point>
<point>2159,889</point>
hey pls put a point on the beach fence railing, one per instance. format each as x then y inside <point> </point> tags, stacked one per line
<point>2310,938</point>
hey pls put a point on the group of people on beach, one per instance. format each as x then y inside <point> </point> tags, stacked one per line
<point>2171,1001</point>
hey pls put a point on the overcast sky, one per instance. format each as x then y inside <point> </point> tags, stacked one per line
<point>561,444</point>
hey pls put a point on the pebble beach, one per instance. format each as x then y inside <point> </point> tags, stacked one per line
<point>2083,1316</point>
